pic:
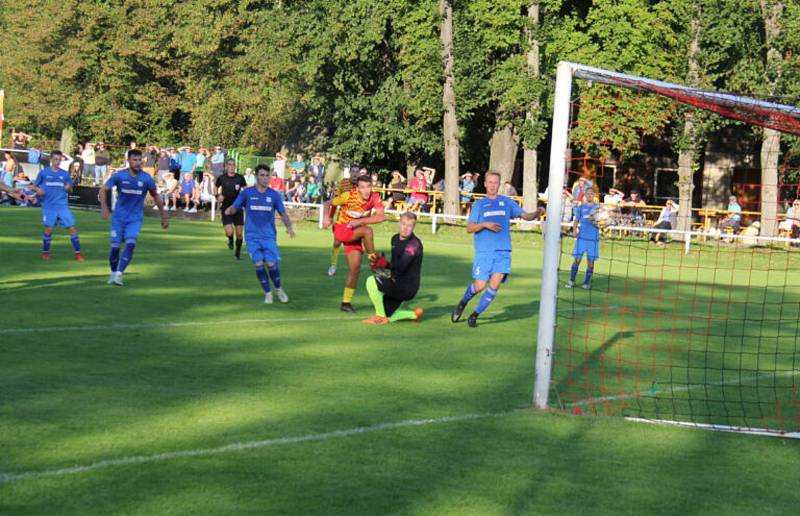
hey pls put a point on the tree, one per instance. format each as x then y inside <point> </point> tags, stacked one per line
<point>449,122</point>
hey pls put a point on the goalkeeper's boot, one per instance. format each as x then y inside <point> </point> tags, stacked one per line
<point>268,298</point>
<point>347,307</point>
<point>457,311</point>
<point>376,319</point>
<point>45,255</point>
<point>282,296</point>
<point>418,312</point>
<point>472,322</point>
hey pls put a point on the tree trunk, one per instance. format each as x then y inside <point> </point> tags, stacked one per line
<point>503,151</point>
<point>530,162</point>
<point>771,10</point>
<point>450,122</point>
<point>686,157</point>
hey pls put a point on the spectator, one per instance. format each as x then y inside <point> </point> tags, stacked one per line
<point>19,140</point>
<point>169,192</point>
<point>249,177</point>
<point>35,155</point>
<point>467,187</point>
<point>634,205</point>
<point>611,204</point>
<point>174,162</point>
<point>566,206</point>
<point>418,185</point>
<point>150,160</point>
<point>205,193</point>
<point>200,162</point>
<point>299,166</point>
<point>279,165</point>
<point>277,184</point>
<point>132,145</point>
<point>667,219</point>
<point>291,185</point>
<point>734,217</point>
<point>317,168</point>
<point>300,190</point>
<point>9,168</point>
<point>102,158</point>
<point>29,197</point>
<point>218,161</point>
<point>791,223</point>
<point>76,171</point>
<point>396,184</point>
<point>163,164</point>
<point>88,158</point>
<point>313,194</point>
<point>187,191</point>
<point>579,189</point>
<point>188,160</point>
<point>508,190</point>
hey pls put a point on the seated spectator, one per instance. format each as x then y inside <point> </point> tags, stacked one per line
<point>188,187</point>
<point>313,194</point>
<point>249,177</point>
<point>634,206</point>
<point>791,224</point>
<point>508,189</point>
<point>291,185</point>
<point>733,218</point>
<point>419,184</point>
<point>467,187</point>
<point>611,203</point>
<point>299,191</point>
<point>169,192</point>
<point>205,193</point>
<point>667,219</point>
<point>396,184</point>
<point>277,184</point>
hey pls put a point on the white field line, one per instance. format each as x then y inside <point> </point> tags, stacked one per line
<point>681,388</point>
<point>718,428</point>
<point>226,322</point>
<point>7,478</point>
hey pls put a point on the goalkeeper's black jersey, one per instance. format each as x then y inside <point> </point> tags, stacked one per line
<point>407,263</point>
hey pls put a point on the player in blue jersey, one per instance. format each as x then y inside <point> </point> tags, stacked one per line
<point>132,184</point>
<point>260,202</point>
<point>489,220</point>
<point>584,229</point>
<point>53,185</point>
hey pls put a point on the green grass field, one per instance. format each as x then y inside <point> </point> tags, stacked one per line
<point>183,393</point>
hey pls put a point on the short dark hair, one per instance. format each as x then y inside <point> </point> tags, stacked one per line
<point>364,179</point>
<point>409,215</point>
<point>261,166</point>
<point>56,153</point>
<point>134,153</point>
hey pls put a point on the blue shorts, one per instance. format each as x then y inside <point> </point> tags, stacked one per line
<point>125,230</point>
<point>57,217</point>
<point>263,250</point>
<point>493,262</point>
<point>588,247</point>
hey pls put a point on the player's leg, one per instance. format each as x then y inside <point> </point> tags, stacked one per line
<point>228,228</point>
<point>365,234</point>
<point>353,271</point>
<point>335,250</point>
<point>76,242</point>
<point>47,238</point>
<point>113,255</point>
<point>130,234</point>
<point>272,260</point>
<point>239,228</point>
<point>481,272</point>
<point>498,269</point>
<point>573,272</point>
<point>589,271</point>
<point>376,296</point>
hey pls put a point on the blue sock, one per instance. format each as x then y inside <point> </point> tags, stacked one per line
<point>275,274</point>
<point>573,273</point>
<point>261,272</point>
<point>46,239</point>
<point>486,300</point>
<point>469,294</point>
<point>113,258</point>
<point>76,243</point>
<point>589,271</point>
<point>127,256</point>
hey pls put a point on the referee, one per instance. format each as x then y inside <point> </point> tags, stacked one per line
<point>398,281</point>
<point>227,188</point>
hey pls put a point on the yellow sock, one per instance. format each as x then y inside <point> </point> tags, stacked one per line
<point>348,294</point>
<point>335,254</point>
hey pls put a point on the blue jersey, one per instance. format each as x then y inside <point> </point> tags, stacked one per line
<point>587,229</point>
<point>260,208</point>
<point>54,183</point>
<point>501,210</point>
<point>131,190</point>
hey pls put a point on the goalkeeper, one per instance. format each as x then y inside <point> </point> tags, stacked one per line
<point>587,242</point>
<point>397,281</point>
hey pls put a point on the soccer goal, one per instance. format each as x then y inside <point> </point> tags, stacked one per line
<point>698,326</point>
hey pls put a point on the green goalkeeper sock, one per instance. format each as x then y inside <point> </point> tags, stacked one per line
<point>403,315</point>
<point>376,296</point>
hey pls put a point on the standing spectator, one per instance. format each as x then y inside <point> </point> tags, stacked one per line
<point>467,187</point>
<point>75,172</point>
<point>277,184</point>
<point>188,160</point>
<point>88,158</point>
<point>19,140</point>
<point>102,158</point>
<point>9,169</point>
<point>205,193</point>
<point>35,156</point>
<point>174,162</point>
<point>566,206</point>
<point>579,189</point>
<point>418,185</point>
<point>249,177</point>
<point>298,165</point>
<point>279,165</point>
<point>734,218</point>
<point>313,194</point>
<point>150,160</point>
<point>667,219</point>
<point>187,191</point>
<point>317,168</point>
<point>218,161</point>
<point>200,162</point>
<point>163,164</point>
<point>131,146</point>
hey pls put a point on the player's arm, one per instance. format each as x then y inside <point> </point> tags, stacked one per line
<point>104,191</point>
<point>68,184</point>
<point>237,204</point>
<point>160,205</point>
<point>376,218</point>
<point>404,261</point>
<point>331,206</point>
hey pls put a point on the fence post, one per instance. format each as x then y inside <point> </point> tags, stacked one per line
<point>433,223</point>
<point>321,214</point>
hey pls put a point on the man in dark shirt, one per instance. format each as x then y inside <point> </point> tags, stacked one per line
<point>398,280</point>
<point>227,190</point>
